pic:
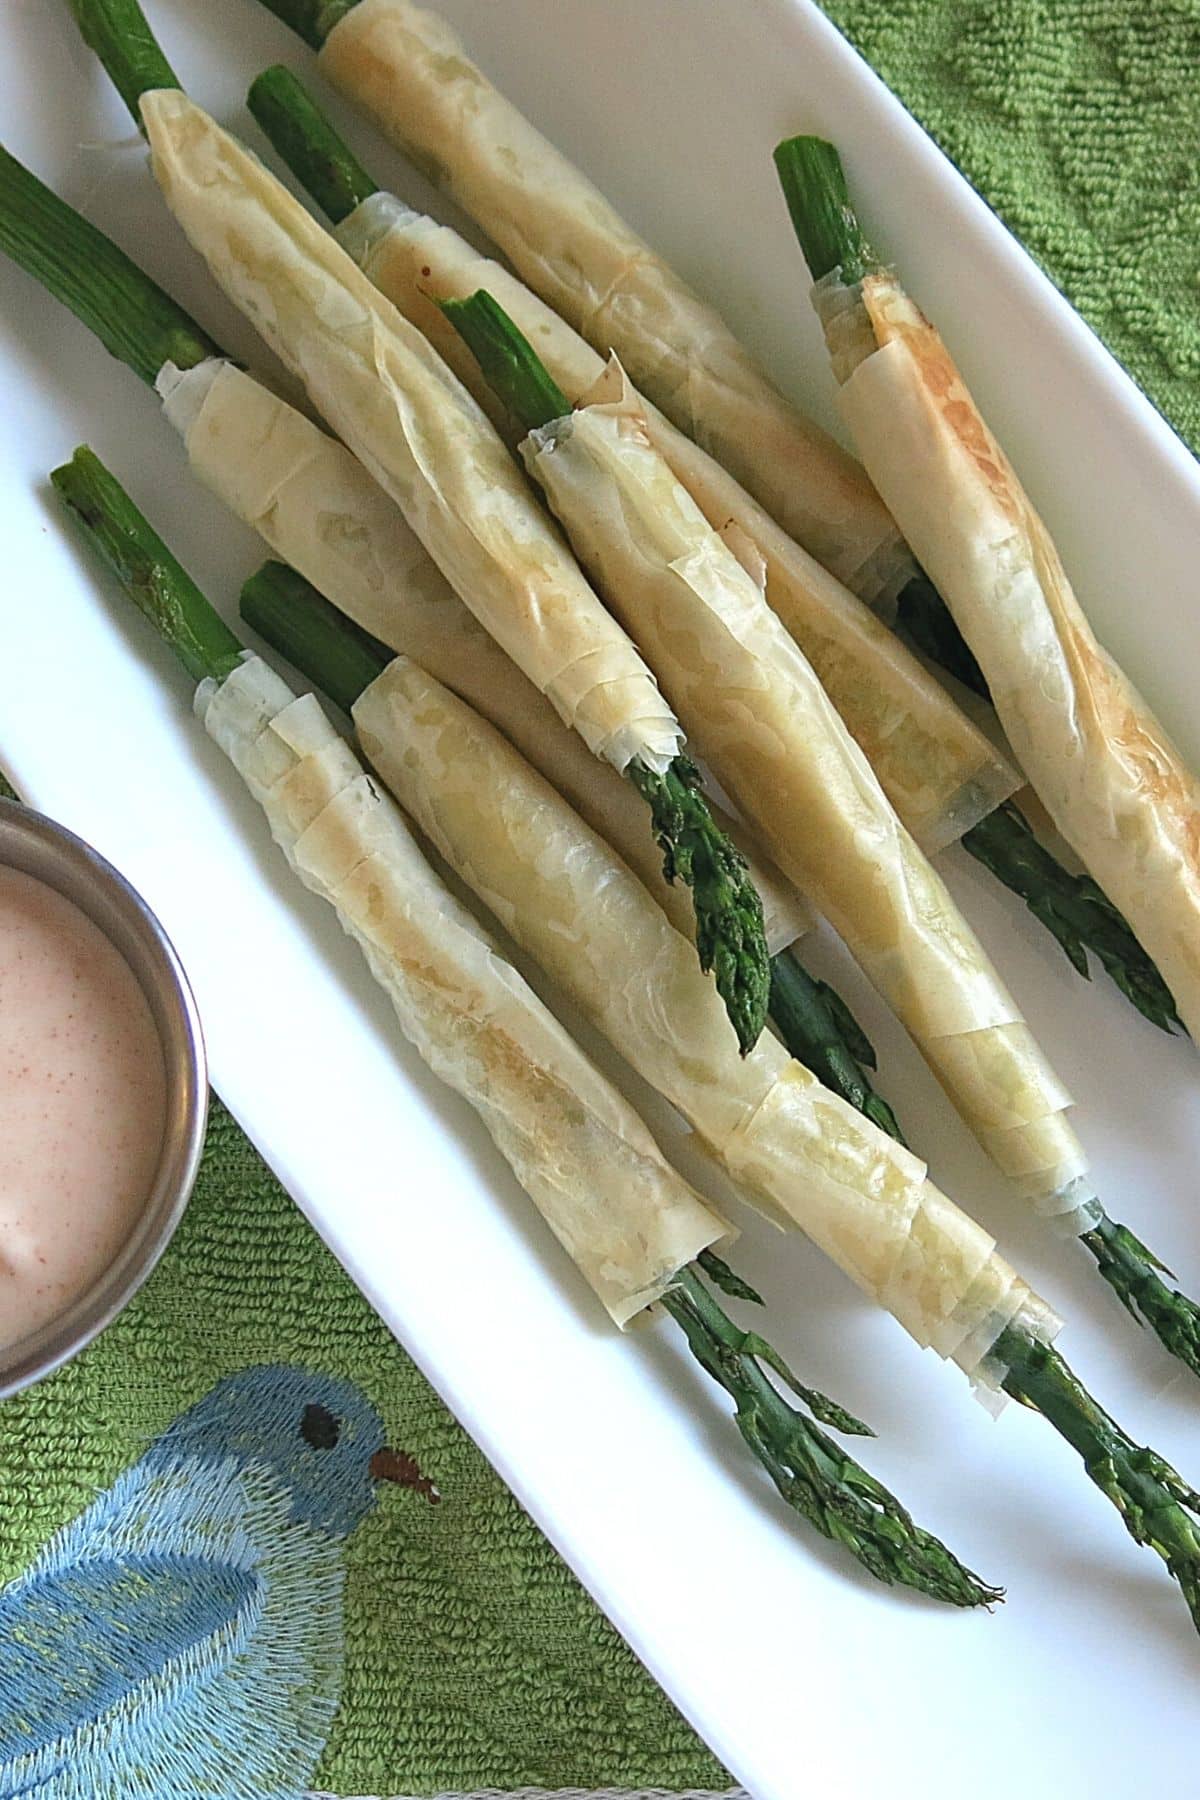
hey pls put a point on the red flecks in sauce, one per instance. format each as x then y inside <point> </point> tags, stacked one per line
<point>82,1103</point>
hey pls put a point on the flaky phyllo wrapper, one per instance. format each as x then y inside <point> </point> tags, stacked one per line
<point>579,1150</point>
<point>938,769</point>
<point>760,719</point>
<point>388,395</point>
<point>1108,774</point>
<point>318,509</point>
<point>410,71</point>
<point>801,1154</point>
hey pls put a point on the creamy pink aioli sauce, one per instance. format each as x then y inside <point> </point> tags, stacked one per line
<point>82,1103</point>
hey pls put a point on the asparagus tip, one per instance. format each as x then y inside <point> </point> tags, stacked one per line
<point>813,1474</point>
<point>1077,913</point>
<point>730,934</point>
<point>1135,1275</point>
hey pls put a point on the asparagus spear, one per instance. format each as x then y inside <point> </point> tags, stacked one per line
<point>730,935</point>
<point>1132,1271</point>
<point>819,1030</point>
<point>1156,1504</point>
<point>1072,907</point>
<point>817,1479</point>
<point>691,845</point>
<point>339,657</point>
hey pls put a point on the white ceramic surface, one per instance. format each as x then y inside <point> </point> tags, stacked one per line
<point>804,1676</point>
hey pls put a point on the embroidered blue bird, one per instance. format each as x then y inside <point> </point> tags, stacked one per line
<point>182,1638</point>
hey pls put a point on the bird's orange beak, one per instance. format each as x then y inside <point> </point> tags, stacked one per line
<point>399,1467</point>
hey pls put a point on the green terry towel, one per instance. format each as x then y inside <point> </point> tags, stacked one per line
<point>449,1646</point>
<point>1079,121</point>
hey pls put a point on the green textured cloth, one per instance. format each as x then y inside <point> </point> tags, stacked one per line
<point>1079,121</point>
<point>472,1656</point>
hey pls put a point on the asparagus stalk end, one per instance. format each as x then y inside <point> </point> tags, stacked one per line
<point>131,315</point>
<point>313,20</point>
<point>317,155</point>
<point>118,32</point>
<point>814,186</point>
<point>154,580</point>
<point>509,362</point>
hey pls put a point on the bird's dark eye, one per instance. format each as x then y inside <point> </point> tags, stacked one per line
<point>318,1427</point>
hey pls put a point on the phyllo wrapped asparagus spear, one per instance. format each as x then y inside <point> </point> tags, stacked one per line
<point>635,1230</point>
<point>941,774</point>
<point>1100,762</point>
<point>799,1153</point>
<point>315,504</point>
<point>767,730</point>
<point>396,405</point>
<point>813,1022</point>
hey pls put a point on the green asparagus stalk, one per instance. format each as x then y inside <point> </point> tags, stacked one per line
<point>814,1474</point>
<point>730,935</point>
<point>318,155</point>
<point>331,651</point>
<point>817,1479</point>
<point>117,31</point>
<point>1158,1507</point>
<point>1071,907</point>
<point>133,318</point>
<point>339,657</point>
<point>924,618</point>
<point>1003,840</point>
<point>313,20</point>
<point>158,586</point>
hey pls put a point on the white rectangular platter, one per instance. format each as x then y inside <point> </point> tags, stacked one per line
<point>805,1677</point>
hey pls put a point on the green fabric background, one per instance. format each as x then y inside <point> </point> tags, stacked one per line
<point>473,1658</point>
<point>1079,121</point>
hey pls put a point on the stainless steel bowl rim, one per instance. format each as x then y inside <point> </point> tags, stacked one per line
<point>41,847</point>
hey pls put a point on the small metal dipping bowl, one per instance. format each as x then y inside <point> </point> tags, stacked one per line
<point>37,846</point>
